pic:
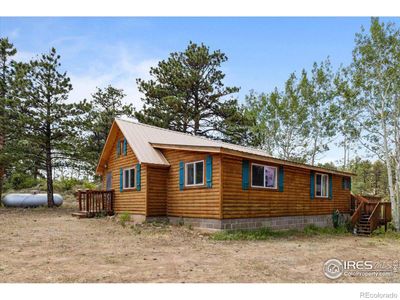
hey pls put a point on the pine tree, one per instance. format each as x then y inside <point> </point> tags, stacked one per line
<point>187,94</point>
<point>7,51</point>
<point>106,105</point>
<point>50,122</point>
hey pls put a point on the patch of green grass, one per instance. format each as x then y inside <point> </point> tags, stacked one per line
<point>267,233</point>
<point>123,218</point>
<point>311,230</point>
<point>391,233</point>
<point>258,234</point>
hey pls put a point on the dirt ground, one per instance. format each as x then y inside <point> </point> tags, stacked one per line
<point>49,245</point>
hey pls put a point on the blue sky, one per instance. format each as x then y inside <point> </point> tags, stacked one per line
<point>262,52</point>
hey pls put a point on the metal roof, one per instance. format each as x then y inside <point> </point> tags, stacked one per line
<point>146,140</point>
<point>141,138</point>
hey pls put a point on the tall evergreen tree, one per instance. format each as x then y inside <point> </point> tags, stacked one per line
<point>7,51</point>
<point>50,122</point>
<point>187,93</point>
<point>106,105</point>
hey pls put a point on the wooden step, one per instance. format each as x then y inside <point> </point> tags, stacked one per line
<point>80,214</point>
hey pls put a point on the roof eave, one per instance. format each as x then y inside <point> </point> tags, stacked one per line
<point>213,149</point>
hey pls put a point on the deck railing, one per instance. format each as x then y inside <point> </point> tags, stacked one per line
<point>379,212</point>
<point>93,202</point>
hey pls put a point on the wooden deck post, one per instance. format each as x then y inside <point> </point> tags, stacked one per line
<point>80,200</point>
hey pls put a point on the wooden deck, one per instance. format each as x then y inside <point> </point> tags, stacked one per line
<point>369,213</point>
<point>95,203</point>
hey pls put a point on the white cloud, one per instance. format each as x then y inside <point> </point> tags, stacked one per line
<point>122,74</point>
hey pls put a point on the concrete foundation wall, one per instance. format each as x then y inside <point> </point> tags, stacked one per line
<point>276,223</point>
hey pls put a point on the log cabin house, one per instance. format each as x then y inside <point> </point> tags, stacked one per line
<point>155,173</point>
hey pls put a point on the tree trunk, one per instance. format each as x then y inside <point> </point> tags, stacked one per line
<point>344,153</point>
<point>49,177</point>
<point>49,163</point>
<point>314,152</point>
<point>1,183</point>
<point>2,171</point>
<point>389,169</point>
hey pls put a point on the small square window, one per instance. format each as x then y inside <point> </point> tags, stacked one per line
<point>194,173</point>
<point>263,176</point>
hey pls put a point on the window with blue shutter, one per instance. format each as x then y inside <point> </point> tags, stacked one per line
<point>181,175</point>
<point>125,147</point>
<point>209,171</point>
<point>312,184</point>
<point>330,186</point>
<point>280,178</point>
<point>245,174</point>
<point>121,179</point>
<point>138,177</point>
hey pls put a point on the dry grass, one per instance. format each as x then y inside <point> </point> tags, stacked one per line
<point>49,245</point>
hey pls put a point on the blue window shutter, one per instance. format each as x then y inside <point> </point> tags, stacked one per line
<point>138,177</point>
<point>125,147</point>
<point>181,175</point>
<point>330,186</point>
<point>209,171</point>
<point>121,177</point>
<point>118,148</point>
<point>245,174</point>
<point>312,184</point>
<point>280,178</point>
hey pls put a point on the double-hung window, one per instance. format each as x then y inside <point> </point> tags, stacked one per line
<point>129,178</point>
<point>194,173</point>
<point>321,185</point>
<point>263,176</point>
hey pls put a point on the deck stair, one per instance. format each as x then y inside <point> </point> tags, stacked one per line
<point>363,225</point>
<point>369,214</point>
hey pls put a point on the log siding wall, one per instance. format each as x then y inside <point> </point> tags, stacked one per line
<point>200,202</point>
<point>225,199</point>
<point>293,201</point>
<point>131,201</point>
<point>157,191</point>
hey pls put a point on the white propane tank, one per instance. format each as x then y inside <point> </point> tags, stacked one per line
<point>30,200</point>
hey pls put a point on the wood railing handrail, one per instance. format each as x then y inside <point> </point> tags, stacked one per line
<point>357,213</point>
<point>92,202</point>
<point>374,217</point>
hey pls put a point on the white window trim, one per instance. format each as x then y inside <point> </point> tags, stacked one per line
<point>123,178</point>
<point>264,187</point>
<point>327,185</point>
<point>194,172</point>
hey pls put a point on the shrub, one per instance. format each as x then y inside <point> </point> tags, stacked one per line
<point>19,181</point>
<point>89,185</point>
<point>123,218</point>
